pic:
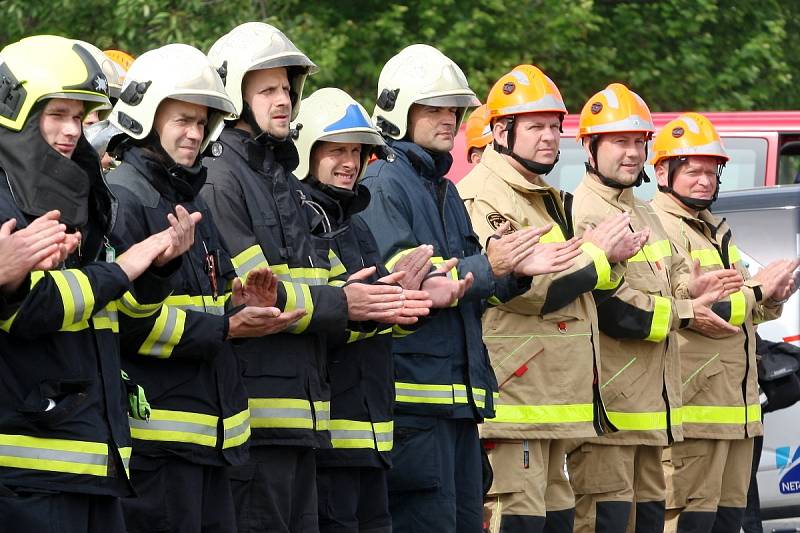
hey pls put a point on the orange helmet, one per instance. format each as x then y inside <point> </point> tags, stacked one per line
<point>526,89</point>
<point>478,131</point>
<point>123,59</point>
<point>615,109</point>
<point>689,134</point>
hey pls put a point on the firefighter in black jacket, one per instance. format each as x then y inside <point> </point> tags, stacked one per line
<point>259,208</point>
<point>64,437</point>
<point>169,109</point>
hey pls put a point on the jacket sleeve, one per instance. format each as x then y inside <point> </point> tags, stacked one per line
<point>325,305</point>
<point>548,292</point>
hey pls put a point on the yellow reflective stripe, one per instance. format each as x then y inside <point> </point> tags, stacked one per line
<point>738,308</point>
<point>543,414</point>
<point>398,331</point>
<point>125,455</point>
<point>662,318</point>
<point>554,235</point>
<point>494,301</point>
<point>249,259</point>
<point>337,268</point>
<point>76,296</point>
<point>601,266</point>
<point>437,394</point>
<point>128,305</point>
<point>54,455</point>
<point>301,298</point>
<point>36,277</point>
<point>384,435</point>
<point>176,426</point>
<point>638,421</point>
<point>322,410</point>
<point>479,397</point>
<point>355,336</point>
<point>716,414</point>
<point>360,434</point>
<point>202,304</point>
<point>734,256</point>
<point>337,283</point>
<point>285,413</point>
<point>107,318</point>
<point>676,416</point>
<point>397,257</point>
<point>653,252</point>
<point>707,257</point>
<point>236,429</point>
<point>166,333</point>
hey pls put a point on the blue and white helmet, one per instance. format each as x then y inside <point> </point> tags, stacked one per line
<point>332,115</point>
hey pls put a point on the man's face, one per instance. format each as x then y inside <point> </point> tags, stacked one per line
<point>60,124</point>
<point>537,136</point>
<point>336,164</point>
<point>697,178</point>
<point>267,92</point>
<point>181,127</point>
<point>433,128</point>
<point>620,156</point>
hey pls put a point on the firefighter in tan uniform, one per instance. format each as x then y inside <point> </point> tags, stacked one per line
<point>477,133</point>
<point>709,472</point>
<point>640,374</point>
<point>542,344</point>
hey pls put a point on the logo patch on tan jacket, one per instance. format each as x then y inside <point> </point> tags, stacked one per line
<point>496,220</point>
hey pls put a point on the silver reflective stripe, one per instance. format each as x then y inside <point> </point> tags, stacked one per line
<point>384,436</point>
<point>84,458</point>
<point>714,147</point>
<point>632,123</point>
<point>250,264</point>
<point>479,395</point>
<point>306,281</point>
<point>211,309</point>
<point>460,395</point>
<point>351,434</point>
<point>126,462</point>
<point>77,294</point>
<point>546,102</point>
<point>235,431</point>
<point>280,412</point>
<point>170,323</point>
<point>425,393</point>
<point>171,425</point>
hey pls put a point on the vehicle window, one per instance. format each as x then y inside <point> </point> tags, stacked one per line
<point>789,163</point>
<point>746,169</point>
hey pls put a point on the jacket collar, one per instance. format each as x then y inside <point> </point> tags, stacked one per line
<point>620,198</point>
<point>339,204</point>
<point>173,181</point>
<point>261,155</point>
<point>500,166</point>
<point>430,165</point>
<point>704,219</point>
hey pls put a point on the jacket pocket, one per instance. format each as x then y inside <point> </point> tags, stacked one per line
<point>258,362</point>
<point>54,401</point>
<point>344,375</point>
<point>415,456</point>
<point>621,382</point>
<point>687,471</point>
<point>507,462</point>
<point>699,379</point>
<point>510,355</point>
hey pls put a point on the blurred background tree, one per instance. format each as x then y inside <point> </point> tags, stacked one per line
<point>678,54</point>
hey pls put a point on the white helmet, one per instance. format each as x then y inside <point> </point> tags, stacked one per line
<point>112,71</point>
<point>332,115</point>
<point>419,74</point>
<point>259,46</point>
<point>176,71</point>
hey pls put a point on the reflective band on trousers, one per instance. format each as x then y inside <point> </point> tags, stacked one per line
<point>543,414</point>
<point>54,455</point>
<point>654,421</point>
<point>236,429</point>
<point>662,318</point>
<point>715,414</point>
<point>358,434</point>
<point>176,426</point>
<point>437,394</point>
<point>288,413</point>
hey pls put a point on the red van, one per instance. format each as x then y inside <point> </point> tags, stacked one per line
<point>764,147</point>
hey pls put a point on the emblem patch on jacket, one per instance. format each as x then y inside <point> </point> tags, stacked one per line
<point>496,220</point>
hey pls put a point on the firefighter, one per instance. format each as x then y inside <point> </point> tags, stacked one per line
<point>552,329</point>
<point>639,378</point>
<point>709,472</point>
<point>63,422</point>
<point>263,214</point>
<point>444,385</point>
<point>478,133</point>
<point>169,110</point>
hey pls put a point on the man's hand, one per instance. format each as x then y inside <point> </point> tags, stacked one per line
<point>260,321</point>
<point>365,302</point>
<point>615,238</point>
<point>706,321</point>
<point>38,246</point>
<point>550,257</point>
<point>416,265</point>
<point>724,281</point>
<point>778,280</point>
<point>260,290</point>
<point>141,255</point>
<point>181,234</point>
<point>506,250</point>
<point>415,304</point>
<point>442,290</point>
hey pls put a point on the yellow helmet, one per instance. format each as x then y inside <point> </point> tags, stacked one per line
<point>615,109</point>
<point>689,134</point>
<point>47,66</point>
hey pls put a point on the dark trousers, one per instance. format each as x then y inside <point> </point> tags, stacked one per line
<point>353,500</point>
<point>436,483</point>
<point>177,496</point>
<point>752,515</point>
<point>47,512</point>
<point>276,491</point>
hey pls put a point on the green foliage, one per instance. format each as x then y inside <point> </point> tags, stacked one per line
<point>678,54</point>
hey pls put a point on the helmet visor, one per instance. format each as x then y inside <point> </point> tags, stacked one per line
<point>358,137</point>
<point>450,100</point>
<point>289,60</point>
<point>209,100</point>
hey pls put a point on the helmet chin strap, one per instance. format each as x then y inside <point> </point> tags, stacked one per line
<point>698,204</point>
<point>259,135</point>
<point>605,180</point>
<point>530,165</point>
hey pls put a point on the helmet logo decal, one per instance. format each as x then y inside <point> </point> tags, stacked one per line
<point>596,108</point>
<point>509,87</point>
<point>100,84</point>
<point>216,149</point>
<point>677,132</point>
<point>521,77</point>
